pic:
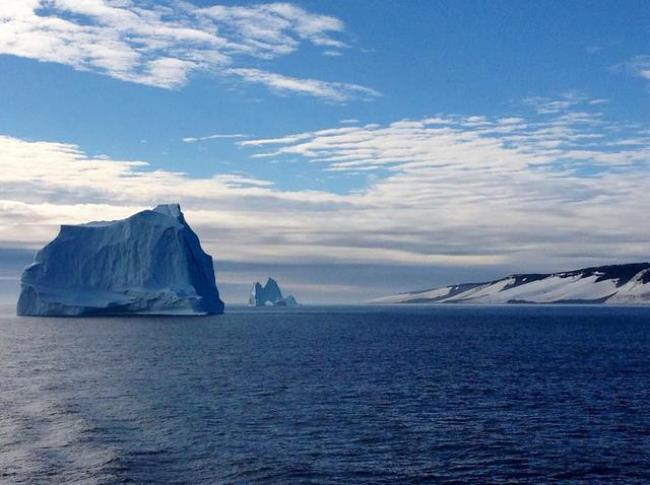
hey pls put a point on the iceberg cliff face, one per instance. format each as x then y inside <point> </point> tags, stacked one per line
<point>615,284</point>
<point>269,295</point>
<point>149,263</point>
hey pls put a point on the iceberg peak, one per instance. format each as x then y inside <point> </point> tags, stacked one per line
<point>269,295</point>
<point>171,210</point>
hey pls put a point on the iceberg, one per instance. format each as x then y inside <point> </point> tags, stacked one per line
<point>150,263</point>
<point>269,295</point>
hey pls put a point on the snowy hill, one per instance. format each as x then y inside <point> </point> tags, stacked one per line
<point>149,263</point>
<point>615,284</point>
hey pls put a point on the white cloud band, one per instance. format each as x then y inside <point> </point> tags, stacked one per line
<point>162,43</point>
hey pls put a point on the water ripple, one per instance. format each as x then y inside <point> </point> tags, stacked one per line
<point>337,395</point>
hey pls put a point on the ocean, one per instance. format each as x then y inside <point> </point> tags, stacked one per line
<point>466,394</point>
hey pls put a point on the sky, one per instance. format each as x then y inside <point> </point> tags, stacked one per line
<point>349,149</point>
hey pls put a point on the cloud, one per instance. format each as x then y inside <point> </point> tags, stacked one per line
<point>561,187</point>
<point>333,91</point>
<point>276,27</point>
<point>45,184</point>
<point>162,44</point>
<point>567,101</point>
<point>639,66</point>
<point>191,139</point>
<point>529,192</point>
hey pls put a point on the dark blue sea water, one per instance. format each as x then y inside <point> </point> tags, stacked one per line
<point>329,395</point>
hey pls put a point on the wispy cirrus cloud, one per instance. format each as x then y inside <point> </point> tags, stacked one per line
<point>216,136</point>
<point>276,28</point>
<point>333,91</point>
<point>502,187</point>
<point>567,101</point>
<point>163,43</point>
<point>639,66</point>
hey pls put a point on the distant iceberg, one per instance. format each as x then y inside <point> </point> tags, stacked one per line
<point>148,264</point>
<point>269,295</point>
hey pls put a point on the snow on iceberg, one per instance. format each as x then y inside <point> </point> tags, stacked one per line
<point>269,295</point>
<point>148,264</point>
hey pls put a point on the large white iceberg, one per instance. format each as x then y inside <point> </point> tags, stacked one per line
<point>148,264</point>
<point>269,295</point>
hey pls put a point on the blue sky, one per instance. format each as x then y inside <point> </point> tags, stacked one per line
<point>352,149</point>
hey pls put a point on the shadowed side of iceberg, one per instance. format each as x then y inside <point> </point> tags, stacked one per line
<point>150,263</point>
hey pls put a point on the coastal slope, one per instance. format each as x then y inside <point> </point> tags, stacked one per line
<point>614,284</point>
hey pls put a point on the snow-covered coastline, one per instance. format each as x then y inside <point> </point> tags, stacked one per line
<point>615,284</point>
